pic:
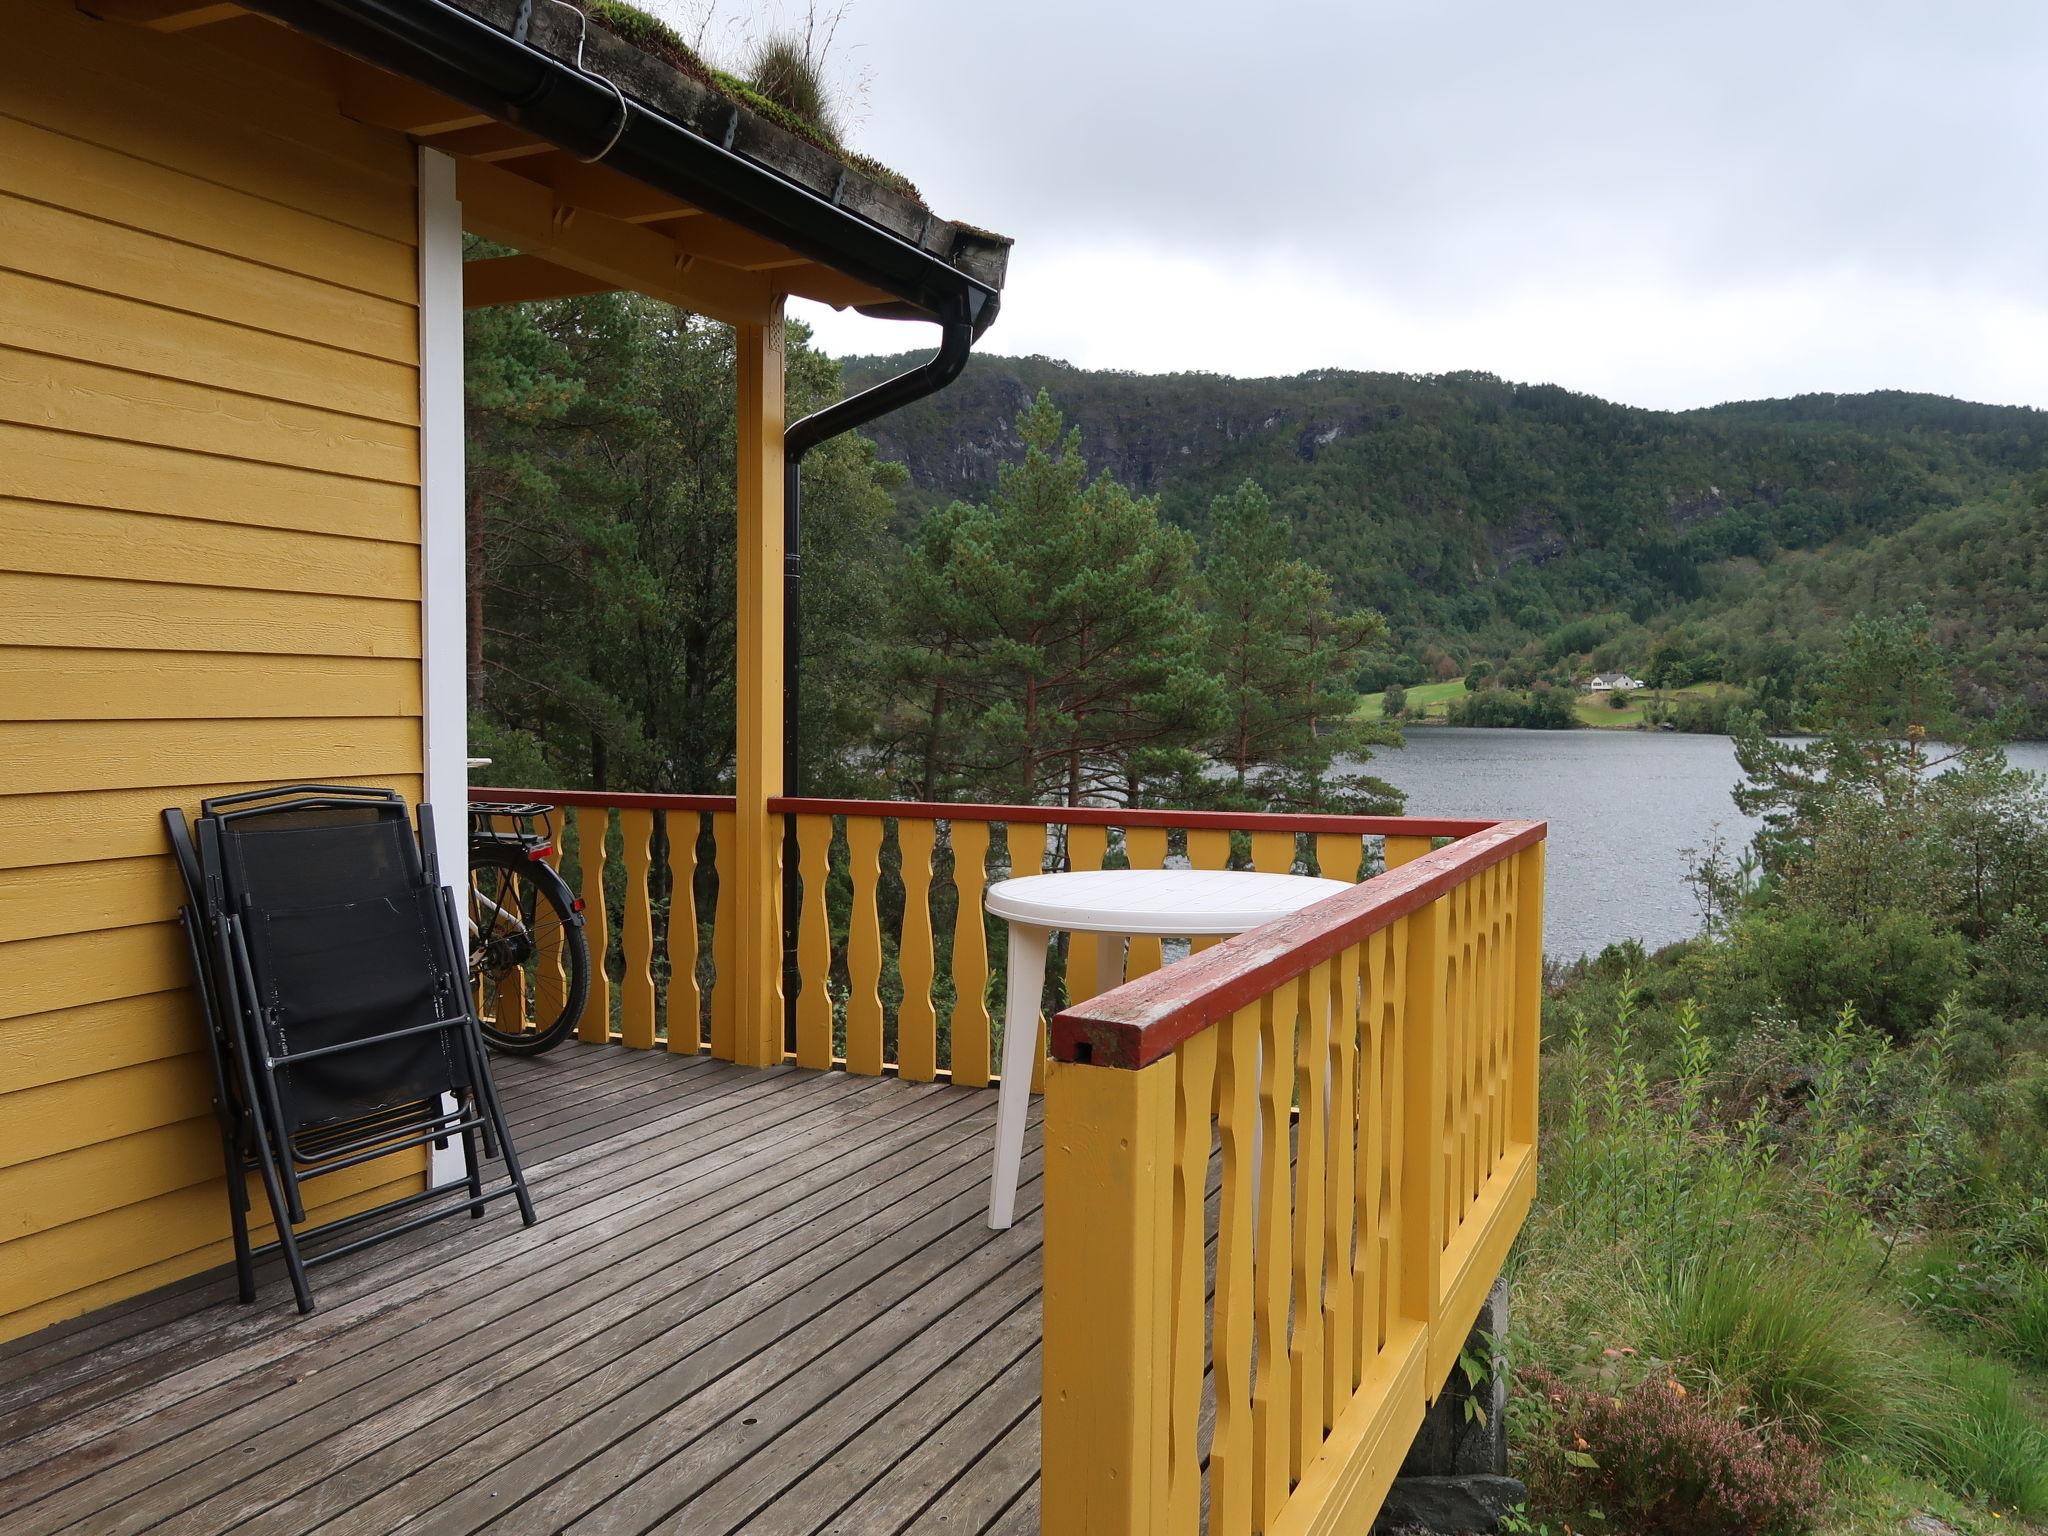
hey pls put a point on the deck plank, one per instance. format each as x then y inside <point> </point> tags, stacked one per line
<point>756,1301</point>
<point>249,1385</point>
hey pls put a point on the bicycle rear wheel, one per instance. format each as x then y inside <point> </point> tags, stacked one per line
<point>529,966</point>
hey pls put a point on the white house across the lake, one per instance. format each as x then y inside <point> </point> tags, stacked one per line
<point>1612,682</point>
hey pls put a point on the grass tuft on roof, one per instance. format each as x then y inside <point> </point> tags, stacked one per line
<point>656,38</point>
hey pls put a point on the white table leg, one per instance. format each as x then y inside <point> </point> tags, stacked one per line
<point>1109,962</point>
<point>1020,1047</point>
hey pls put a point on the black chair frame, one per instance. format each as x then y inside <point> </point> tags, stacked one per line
<point>258,1134</point>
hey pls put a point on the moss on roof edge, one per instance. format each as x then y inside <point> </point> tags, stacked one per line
<point>649,61</point>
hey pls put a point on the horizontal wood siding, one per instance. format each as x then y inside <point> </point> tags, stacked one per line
<point>209,579</point>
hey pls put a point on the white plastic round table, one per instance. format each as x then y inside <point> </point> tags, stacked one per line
<point>1122,903</point>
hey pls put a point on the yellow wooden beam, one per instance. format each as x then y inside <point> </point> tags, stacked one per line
<point>508,208</point>
<point>524,279</point>
<point>1108,1298</point>
<point>757,863</point>
<point>492,141</point>
<point>162,15</point>
<point>385,101</point>
<point>730,245</point>
<point>603,190</point>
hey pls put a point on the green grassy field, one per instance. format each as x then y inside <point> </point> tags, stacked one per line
<point>1597,709</point>
<point>1425,700</point>
<point>1432,701</point>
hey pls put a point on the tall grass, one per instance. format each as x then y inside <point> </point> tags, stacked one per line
<point>1747,1250</point>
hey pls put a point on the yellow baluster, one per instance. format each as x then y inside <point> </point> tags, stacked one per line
<point>1195,1089</point>
<point>1339,854</point>
<point>725,980</point>
<point>1272,1454</point>
<point>864,948</point>
<point>550,986</point>
<point>1237,1131</point>
<point>917,1022</point>
<point>970,1024</point>
<point>1305,1344</point>
<point>1208,848</point>
<point>1420,1196</point>
<point>1340,1353</point>
<point>1147,849</point>
<point>685,1004</point>
<point>592,825</point>
<point>1027,857</point>
<point>1405,850</point>
<point>814,944</point>
<point>1273,852</point>
<point>1087,847</point>
<point>637,935</point>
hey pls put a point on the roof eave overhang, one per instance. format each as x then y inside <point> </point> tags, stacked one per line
<point>444,47</point>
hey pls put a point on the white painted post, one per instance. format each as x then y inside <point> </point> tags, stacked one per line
<point>444,599</point>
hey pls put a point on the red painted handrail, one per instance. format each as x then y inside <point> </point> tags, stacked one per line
<point>595,798</point>
<point>1118,816</point>
<point>1140,1022</point>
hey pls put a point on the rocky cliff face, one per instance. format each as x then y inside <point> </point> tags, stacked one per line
<point>1150,432</point>
<point>1460,500</point>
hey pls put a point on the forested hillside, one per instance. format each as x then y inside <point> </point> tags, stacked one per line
<point>1540,530</point>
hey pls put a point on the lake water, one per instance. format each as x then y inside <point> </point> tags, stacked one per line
<point>1623,807</point>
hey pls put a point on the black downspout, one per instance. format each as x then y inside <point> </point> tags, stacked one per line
<point>956,339</point>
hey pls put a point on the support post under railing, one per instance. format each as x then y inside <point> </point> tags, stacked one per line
<point>1108,1298</point>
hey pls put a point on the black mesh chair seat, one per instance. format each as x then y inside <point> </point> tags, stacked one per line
<point>328,957</point>
<point>351,972</point>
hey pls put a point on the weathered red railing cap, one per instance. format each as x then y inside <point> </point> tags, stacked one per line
<point>1142,1021</point>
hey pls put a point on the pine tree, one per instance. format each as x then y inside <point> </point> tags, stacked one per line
<point>1048,640</point>
<point>1286,658</point>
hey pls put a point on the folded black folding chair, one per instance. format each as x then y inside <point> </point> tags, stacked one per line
<point>327,954</point>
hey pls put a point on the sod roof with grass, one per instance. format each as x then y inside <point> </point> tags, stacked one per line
<point>651,63</point>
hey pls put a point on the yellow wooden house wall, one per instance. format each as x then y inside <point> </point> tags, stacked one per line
<point>209,577</point>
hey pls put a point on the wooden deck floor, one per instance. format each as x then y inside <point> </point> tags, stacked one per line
<point>755,1301</point>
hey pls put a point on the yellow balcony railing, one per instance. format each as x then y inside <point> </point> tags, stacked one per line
<point>647,868</point>
<point>1281,1173</point>
<point>894,969</point>
<point>1334,1116</point>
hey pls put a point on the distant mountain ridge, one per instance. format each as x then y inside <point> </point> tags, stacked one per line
<point>1481,514</point>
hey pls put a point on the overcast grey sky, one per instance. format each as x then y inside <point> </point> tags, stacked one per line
<point>1668,204</point>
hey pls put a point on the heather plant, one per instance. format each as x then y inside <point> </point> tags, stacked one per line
<point>1657,1459</point>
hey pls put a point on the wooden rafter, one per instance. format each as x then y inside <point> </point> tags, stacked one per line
<point>503,206</point>
<point>162,15</point>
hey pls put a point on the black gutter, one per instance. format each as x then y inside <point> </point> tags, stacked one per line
<point>927,378</point>
<point>467,58</point>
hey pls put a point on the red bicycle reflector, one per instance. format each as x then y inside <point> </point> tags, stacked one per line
<point>577,904</point>
<point>539,851</point>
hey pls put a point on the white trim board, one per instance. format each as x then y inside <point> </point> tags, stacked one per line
<point>444,600</point>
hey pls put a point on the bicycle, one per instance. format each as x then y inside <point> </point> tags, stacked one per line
<point>525,923</point>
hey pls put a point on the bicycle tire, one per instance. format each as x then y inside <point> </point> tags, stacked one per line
<point>509,862</point>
